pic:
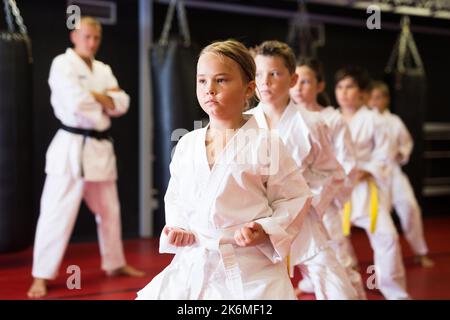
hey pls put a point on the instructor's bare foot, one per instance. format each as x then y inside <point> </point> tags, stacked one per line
<point>38,289</point>
<point>424,261</point>
<point>126,270</point>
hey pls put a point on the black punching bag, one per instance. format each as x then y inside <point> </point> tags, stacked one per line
<point>173,70</point>
<point>405,76</point>
<point>16,216</point>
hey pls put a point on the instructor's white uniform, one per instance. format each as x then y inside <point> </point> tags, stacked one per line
<point>79,167</point>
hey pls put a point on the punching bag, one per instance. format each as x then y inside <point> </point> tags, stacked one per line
<point>405,75</point>
<point>173,71</point>
<point>305,37</point>
<point>16,216</point>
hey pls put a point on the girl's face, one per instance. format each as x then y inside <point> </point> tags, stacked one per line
<point>307,87</point>
<point>221,91</point>
<point>273,79</point>
<point>348,94</point>
<point>378,100</point>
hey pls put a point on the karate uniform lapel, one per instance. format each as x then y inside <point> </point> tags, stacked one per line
<point>214,177</point>
<point>293,131</point>
<point>213,180</point>
<point>91,79</point>
<point>260,118</point>
<point>355,123</point>
<point>75,58</point>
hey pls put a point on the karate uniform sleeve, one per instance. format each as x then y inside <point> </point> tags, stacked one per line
<point>405,143</point>
<point>174,213</point>
<point>345,153</point>
<point>290,199</point>
<point>120,98</point>
<point>71,95</point>
<point>323,171</point>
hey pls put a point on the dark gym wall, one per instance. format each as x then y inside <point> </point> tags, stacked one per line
<point>46,22</point>
<point>344,45</point>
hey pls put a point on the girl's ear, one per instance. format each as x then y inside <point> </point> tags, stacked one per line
<point>294,78</point>
<point>251,87</point>
<point>73,36</point>
<point>321,86</point>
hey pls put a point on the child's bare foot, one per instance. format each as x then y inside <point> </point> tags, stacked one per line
<point>424,261</point>
<point>356,267</point>
<point>297,292</point>
<point>38,289</point>
<point>126,271</point>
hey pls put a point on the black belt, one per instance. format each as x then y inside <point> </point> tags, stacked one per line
<point>99,135</point>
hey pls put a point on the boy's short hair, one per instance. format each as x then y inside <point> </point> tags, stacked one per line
<point>91,21</point>
<point>380,85</point>
<point>277,48</point>
<point>357,73</point>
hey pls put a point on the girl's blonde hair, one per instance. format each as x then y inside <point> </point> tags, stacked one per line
<point>380,85</point>
<point>236,51</point>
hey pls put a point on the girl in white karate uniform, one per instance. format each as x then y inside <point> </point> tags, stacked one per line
<point>369,207</point>
<point>401,192</point>
<point>310,84</point>
<point>80,161</point>
<point>235,198</point>
<point>306,138</point>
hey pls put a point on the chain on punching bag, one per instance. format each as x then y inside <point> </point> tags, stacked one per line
<point>173,71</point>
<point>405,75</point>
<point>16,218</point>
<point>305,37</point>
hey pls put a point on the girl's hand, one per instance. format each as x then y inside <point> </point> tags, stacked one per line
<point>249,235</point>
<point>179,237</point>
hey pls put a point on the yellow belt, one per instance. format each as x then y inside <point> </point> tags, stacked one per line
<point>288,263</point>
<point>346,224</point>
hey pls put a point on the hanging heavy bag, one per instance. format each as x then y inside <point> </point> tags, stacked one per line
<point>173,70</point>
<point>405,75</point>
<point>16,216</point>
<point>305,37</point>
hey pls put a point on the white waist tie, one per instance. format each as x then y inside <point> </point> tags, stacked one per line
<point>223,242</point>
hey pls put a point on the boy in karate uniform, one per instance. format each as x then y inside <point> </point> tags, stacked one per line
<point>402,194</point>
<point>369,205</point>
<point>306,138</point>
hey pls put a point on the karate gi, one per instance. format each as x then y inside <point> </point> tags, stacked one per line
<point>79,167</point>
<point>253,179</point>
<point>305,136</point>
<point>402,193</point>
<point>371,145</point>
<point>341,140</point>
